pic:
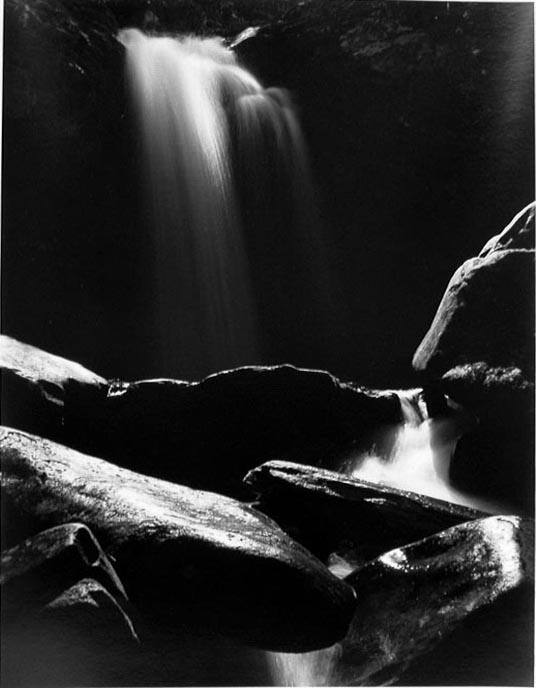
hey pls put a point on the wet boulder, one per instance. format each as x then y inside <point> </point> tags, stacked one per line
<point>37,570</point>
<point>486,314</point>
<point>41,390</point>
<point>487,311</point>
<point>185,557</point>
<point>208,434</point>
<point>205,434</point>
<point>332,514</point>
<point>482,344</point>
<point>455,606</point>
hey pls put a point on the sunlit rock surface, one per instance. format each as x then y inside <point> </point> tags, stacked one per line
<point>519,233</point>
<point>473,579</point>
<point>331,513</point>
<point>185,557</point>
<point>487,311</point>
<point>205,434</point>
<point>35,571</point>
<point>40,390</point>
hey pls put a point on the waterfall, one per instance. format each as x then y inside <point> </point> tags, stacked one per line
<point>224,158</point>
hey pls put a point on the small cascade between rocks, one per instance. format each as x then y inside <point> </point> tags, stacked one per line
<point>224,157</point>
<point>413,455</point>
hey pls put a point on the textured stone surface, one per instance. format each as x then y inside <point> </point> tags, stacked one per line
<point>185,556</point>
<point>486,314</point>
<point>519,233</point>
<point>412,598</point>
<point>329,512</point>
<point>35,571</point>
<point>41,391</point>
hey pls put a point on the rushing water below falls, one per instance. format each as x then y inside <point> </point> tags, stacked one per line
<point>414,456</point>
<point>215,140</point>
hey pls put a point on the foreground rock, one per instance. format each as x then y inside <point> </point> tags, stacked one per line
<point>205,434</point>
<point>82,637</point>
<point>35,571</point>
<point>473,580</point>
<point>186,557</point>
<point>331,513</point>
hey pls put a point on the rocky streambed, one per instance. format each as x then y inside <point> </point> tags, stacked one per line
<point>149,525</point>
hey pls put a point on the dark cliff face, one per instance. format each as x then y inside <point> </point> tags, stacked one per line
<point>419,122</point>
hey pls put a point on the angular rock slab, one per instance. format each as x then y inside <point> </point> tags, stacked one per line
<point>409,599</point>
<point>35,571</point>
<point>188,557</point>
<point>329,512</point>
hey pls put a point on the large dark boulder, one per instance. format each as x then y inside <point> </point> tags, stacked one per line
<point>39,569</point>
<point>481,345</point>
<point>486,315</point>
<point>496,456</point>
<point>487,311</point>
<point>206,434</point>
<point>454,608</point>
<point>186,557</point>
<point>333,514</point>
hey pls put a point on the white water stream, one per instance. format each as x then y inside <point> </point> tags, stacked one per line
<point>414,456</point>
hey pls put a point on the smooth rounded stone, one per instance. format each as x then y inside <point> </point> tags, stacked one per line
<point>82,637</point>
<point>486,314</point>
<point>470,579</point>
<point>331,513</point>
<point>35,571</point>
<point>205,434</point>
<point>495,457</point>
<point>187,557</point>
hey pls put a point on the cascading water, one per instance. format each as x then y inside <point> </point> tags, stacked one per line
<point>214,142</point>
<point>413,455</point>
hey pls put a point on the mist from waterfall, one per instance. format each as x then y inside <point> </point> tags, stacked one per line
<point>215,141</point>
